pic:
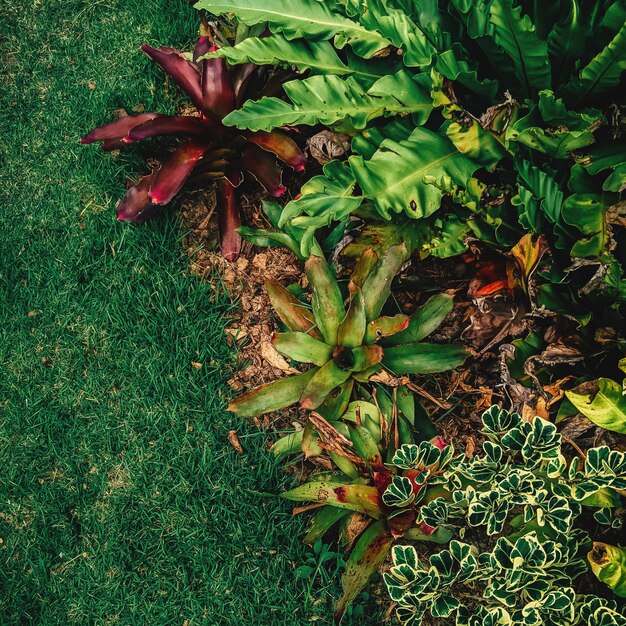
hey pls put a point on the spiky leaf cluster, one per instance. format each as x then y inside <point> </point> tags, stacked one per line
<point>390,495</point>
<point>346,341</point>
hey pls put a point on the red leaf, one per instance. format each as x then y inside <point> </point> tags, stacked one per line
<point>113,144</point>
<point>241,77</point>
<point>264,168</point>
<point>202,47</point>
<point>218,95</point>
<point>284,147</point>
<point>184,73</point>
<point>169,125</point>
<point>135,206</point>
<point>117,129</point>
<point>229,220</point>
<point>491,277</point>
<point>173,173</point>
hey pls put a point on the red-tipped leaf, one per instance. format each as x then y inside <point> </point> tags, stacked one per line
<point>329,376</point>
<point>291,311</point>
<point>171,176</point>
<point>264,168</point>
<point>113,144</point>
<point>203,46</point>
<point>117,129</point>
<point>136,206</point>
<point>229,220</point>
<point>184,73</point>
<point>186,126</point>
<point>271,396</point>
<point>284,147</point>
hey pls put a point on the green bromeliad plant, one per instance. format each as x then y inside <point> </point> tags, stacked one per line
<point>524,495</point>
<point>379,499</point>
<point>345,341</point>
<point>486,117</point>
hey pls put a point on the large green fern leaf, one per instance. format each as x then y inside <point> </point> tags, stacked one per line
<point>317,56</point>
<point>298,18</point>
<point>404,175</point>
<point>515,34</point>
<point>601,74</point>
<point>329,99</point>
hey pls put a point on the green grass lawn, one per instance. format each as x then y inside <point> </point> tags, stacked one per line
<point>121,501</point>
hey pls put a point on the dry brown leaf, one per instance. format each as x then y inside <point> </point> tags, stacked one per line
<point>235,384</point>
<point>470,447</point>
<point>326,146</point>
<point>307,507</point>
<point>333,441</point>
<point>485,399</point>
<point>556,390</point>
<point>357,524</point>
<point>540,410</point>
<point>274,358</point>
<point>234,441</point>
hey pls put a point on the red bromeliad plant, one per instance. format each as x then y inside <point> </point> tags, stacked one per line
<point>210,150</point>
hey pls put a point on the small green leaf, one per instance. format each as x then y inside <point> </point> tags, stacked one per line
<point>290,310</point>
<point>424,321</point>
<point>324,380</point>
<point>323,521</point>
<point>289,444</point>
<point>423,358</point>
<point>326,300</point>
<point>352,328</point>
<point>377,286</point>
<point>302,348</point>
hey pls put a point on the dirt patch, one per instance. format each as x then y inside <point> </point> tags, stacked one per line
<point>252,326</point>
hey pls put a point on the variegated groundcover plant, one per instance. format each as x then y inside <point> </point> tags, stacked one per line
<point>496,124</point>
<point>524,495</point>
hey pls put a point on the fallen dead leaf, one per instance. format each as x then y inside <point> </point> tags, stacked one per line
<point>274,358</point>
<point>234,441</point>
<point>357,524</point>
<point>326,146</point>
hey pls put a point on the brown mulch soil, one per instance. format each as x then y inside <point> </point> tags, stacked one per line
<point>454,400</point>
